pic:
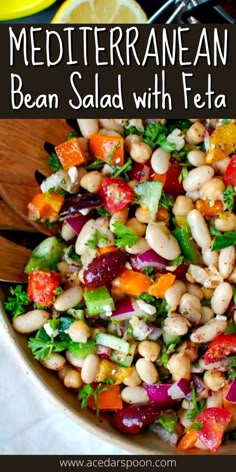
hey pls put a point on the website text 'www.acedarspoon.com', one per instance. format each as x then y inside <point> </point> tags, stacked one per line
<point>124,463</point>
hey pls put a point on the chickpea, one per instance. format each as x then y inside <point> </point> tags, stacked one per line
<point>73,379</point>
<point>92,181</point>
<point>131,139</point>
<point>227,223</point>
<point>79,331</point>
<point>189,349</point>
<point>214,379</point>
<point>195,133</point>
<point>140,152</point>
<point>136,226</point>
<point>183,205</point>
<point>179,365</point>
<point>143,214</point>
<point>149,350</point>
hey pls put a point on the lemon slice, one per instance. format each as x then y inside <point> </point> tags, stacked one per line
<point>100,11</point>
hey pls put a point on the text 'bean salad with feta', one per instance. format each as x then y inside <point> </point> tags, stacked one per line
<point>132,299</point>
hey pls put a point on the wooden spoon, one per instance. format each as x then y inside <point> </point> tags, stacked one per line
<point>9,220</point>
<point>13,261</point>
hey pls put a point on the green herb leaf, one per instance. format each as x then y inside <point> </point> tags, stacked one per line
<point>103,212</point>
<point>97,237</point>
<point>198,406</point>
<point>112,152</point>
<point>73,134</point>
<point>124,235</point>
<point>132,130</point>
<point>149,271</point>
<point>122,170</point>
<point>15,304</point>
<point>87,391</point>
<point>42,349</point>
<point>183,174</point>
<point>214,231</point>
<point>155,135</point>
<point>168,422</point>
<point>54,162</point>
<point>224,240</point>
<point>229,195</point>
<point>96,165</point>
<point>110,381</point>
<point>58,291</point>
<point>166,202</point>
<point>165,354</point>
<point>178,261</point>
<point>197,425</point>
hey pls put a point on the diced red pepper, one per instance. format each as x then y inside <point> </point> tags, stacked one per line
<point>230,173</point>
<point>117,193</point>
<point>221,347</point>
<point>70,153</point>
<point>45,206</point>
<point>214,422</point>
<point>172,184</point>
<point>109,149</point>
<point>42,286</point>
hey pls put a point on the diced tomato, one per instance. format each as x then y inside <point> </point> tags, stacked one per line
<point>214,422</point>
<point>108,148</point>
<point>70,153</point>
<point>42,286</point>
<point>220,347</point>
<point>172,184</point>
<point>230,173</point>
<point>117,194</point>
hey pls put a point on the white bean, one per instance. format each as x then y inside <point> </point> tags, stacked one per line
<point>88,126</point>
<point>134,395</point>
<point>162,241</point>
<point>193,195</point>
<point>149,350</point>
<point>146,371</point>
<point>199,229</point>
<point>139,247</point>
<point>176,325</point>
<point>196,178</point>
<point>194,289</point>
<point>89,368</point>
<point>143,214</point>
<point>189,349</point>
<point>179,366</point>
<point>213,190</point>
<point>64,371</point>
<point>210,258</point>
<point>54,362</point>
<point>67,233</point>
<point>92,181</point>
<point>195,133</point>
<point>197,157</point>
<point>73,379</point>
<point>73,360</point>
<point>68,299</point>
<point>121,216</point>
<point>160,161</point>
<point>221,298</point>
<point>227,261</point>
<point>214,380</point>
<point>174,294</point>
<point>133,380</point>
<point>136,226</point>
<point>190,307</point>
<point>206,314</point>
<point>84,236</point>
<point>227,223</point>
<point>140,152</point>
<point>209,331</point>
<point>30,321</point>
<point>111,124</point>
<point>79,331</point>
<point>183,205</point>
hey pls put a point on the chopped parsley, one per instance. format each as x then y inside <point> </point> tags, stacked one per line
<point>183,174</point>
<point>54,162</point>
<point>155,135</point>
<point>88,391</point>
<point>73,134</point>
<point>198,406</point>
<point>124,235</point>
<point>168,422</point>
<point>42,348</point>
<point>232,368</point>
<point>103,212</point>
<point>163,359</point>
<point>97,237</point>
<point>178,261</point>
<point>149,271</point>
<point>166,202</point>
<point>123,170</point>
<point>110,381</point>
<point>183,125</point>
<point>112,152</point>
<point>16,303</point>
<point>132,130</point>
<point>229,195</point>
<point>96,165</point>
<point>197,425</point>
<point>58,291</point>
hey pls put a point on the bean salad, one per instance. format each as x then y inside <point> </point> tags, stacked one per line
<point>131,300</point>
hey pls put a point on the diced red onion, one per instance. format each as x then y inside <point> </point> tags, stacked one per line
<point>231,309</point>
<point>231,394</point>
<point>103,351</point>
<point>179,389</point>
<point>171,438</point>
<point>155,334</point>
<point>77,222</point>
<point>149,258</point>
<point>142,330</point>
<point>158,393</point>
<point>125,309</point>
<point>198,385</point>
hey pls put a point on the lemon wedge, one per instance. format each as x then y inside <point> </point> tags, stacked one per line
<point>100,11</point>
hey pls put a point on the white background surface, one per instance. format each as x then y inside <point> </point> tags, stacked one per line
<point>30,424</point>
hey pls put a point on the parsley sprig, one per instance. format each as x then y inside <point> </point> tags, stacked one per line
<point>124,235</point>
<point>88,391</point>
<point>229,195</point>
<point>156,135</point>
<point>42,348</point>
<point>168,422</point>
<point>198,406</point>
<point>54,162</point>
<point>96,238</point>
<point>16,303</point>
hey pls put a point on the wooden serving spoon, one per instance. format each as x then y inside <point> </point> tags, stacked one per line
<point>13,261</point>
<point>9,220</point>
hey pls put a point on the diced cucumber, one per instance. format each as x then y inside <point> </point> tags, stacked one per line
<point>113,342</point>
<point>149,194</point>
<point>170,339</point>
<point>98,301</point>
<point>77,314</point>
<point>46,255</point>
<point>82,349</point>
<point>124,360</point>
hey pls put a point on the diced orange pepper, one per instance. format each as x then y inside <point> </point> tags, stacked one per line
<point>158,289</point>
<point>110,369</point>
<point>222,143</point>
<point>45,206</point>
<point>161,177</point>
<point>188,441</point>
<point>108,148</point>
<point>108,399</point>
<point>70,153</point>
<point>162,214</point>
<point>206,209</point>
<point>105,249</point>
<point>132,283</point>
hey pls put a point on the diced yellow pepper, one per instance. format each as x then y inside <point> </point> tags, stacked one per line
<point>110,369</point>
<point>222,143</point>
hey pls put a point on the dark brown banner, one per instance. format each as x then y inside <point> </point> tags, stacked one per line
<point>50,71</point>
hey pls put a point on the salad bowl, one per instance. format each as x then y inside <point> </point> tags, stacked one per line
<point>20,158</point>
